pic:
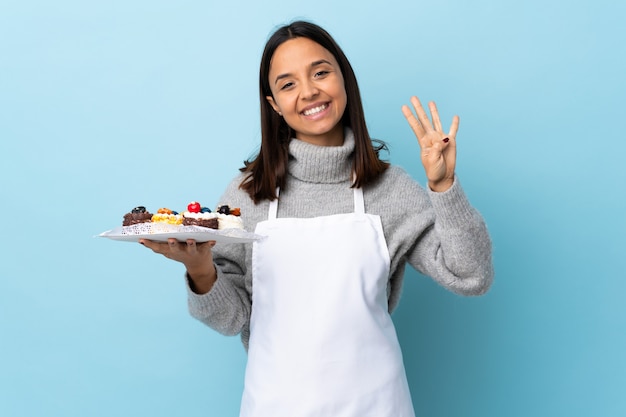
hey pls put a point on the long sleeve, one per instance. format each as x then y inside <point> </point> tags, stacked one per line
<point>226,307</point>
<point>440,234</point>
<point>456,251</point>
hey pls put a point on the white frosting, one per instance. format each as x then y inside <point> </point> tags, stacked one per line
<point>200,216</point>
<point>228,221</point>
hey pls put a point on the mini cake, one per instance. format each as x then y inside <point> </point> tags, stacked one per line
<point>165,215</point>
<point>196,215</point>
<point>137,215</point>
<point>229,218</point>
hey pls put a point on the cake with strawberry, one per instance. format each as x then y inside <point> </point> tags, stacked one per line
<point>223,218</point>
<point>196,215</point>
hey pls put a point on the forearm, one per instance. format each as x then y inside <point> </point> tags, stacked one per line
<point>226,307</point>
<point>201,279</point>
<point>456,251</point>
<point>462,260</point>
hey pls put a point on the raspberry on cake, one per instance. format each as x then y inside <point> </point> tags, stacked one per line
<point>137,215</point>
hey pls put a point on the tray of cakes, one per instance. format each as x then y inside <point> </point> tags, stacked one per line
<point>197,222</point>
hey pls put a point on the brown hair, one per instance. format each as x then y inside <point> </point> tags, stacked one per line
<point>268,169</point>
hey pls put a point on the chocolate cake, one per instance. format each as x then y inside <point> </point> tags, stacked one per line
<point>137,215</point>
<point>211,223</point>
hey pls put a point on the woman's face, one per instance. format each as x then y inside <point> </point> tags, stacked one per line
<point>308,91</point>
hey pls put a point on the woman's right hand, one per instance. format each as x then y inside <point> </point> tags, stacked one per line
<point>197,258</point>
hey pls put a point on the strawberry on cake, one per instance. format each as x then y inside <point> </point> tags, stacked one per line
<point>196,215</point>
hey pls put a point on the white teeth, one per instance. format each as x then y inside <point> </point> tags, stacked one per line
<point>315,110</point>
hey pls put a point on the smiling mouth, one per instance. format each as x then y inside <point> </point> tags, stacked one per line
<point>315,110</point>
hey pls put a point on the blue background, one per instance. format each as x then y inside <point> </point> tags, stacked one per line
<point>106,105</point>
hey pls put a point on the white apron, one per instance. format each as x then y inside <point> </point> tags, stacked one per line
<point>322,343</point>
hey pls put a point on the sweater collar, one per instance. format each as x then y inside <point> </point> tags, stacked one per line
<point>321,164</point>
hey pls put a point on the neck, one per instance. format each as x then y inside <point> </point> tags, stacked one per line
<point>332,138</point>
<point>321,164</point>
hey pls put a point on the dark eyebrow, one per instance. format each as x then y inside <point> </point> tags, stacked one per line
<point>313,65</point>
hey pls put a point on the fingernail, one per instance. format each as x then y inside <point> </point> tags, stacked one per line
<point>445,140</point>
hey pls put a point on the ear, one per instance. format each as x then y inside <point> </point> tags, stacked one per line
<point>270,100</point>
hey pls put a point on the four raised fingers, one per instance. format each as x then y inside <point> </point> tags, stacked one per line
<point>422,118</point>
<point>421,124</point>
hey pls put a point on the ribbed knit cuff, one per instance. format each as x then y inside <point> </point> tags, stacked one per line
<point>452,207</point>
<point>204,304</point>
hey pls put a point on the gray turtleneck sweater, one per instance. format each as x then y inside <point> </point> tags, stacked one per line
<point>439,234</point>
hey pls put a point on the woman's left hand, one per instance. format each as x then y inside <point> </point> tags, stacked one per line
<point>438,149</point>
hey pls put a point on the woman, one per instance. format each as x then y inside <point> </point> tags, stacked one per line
<point>312,300</point>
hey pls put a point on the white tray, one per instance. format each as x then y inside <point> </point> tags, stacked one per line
<point>162,232</point>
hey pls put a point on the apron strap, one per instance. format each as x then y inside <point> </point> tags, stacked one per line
<point>359,204</point>
<point>273,210</point>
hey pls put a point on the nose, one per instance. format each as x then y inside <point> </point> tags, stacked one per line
<point>309,90</point>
